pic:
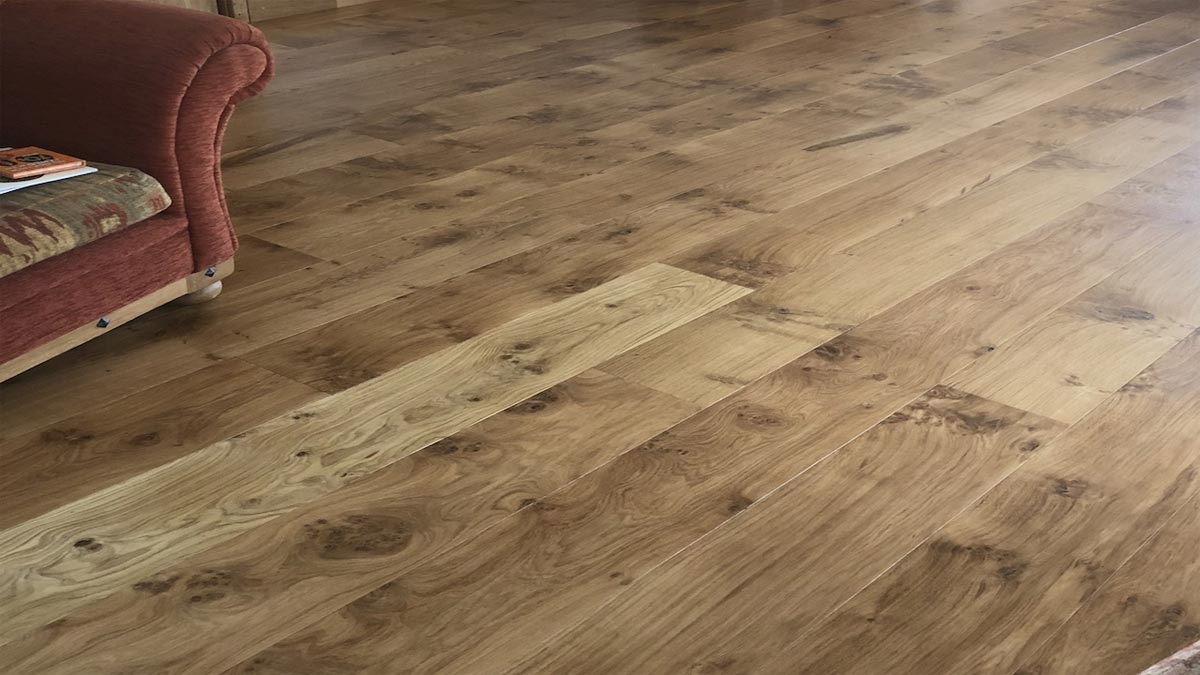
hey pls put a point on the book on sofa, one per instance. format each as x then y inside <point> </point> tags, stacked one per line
<point>30,161</point>
<point>26,167</point>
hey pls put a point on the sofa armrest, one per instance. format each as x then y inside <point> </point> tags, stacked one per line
<point>137,84</point>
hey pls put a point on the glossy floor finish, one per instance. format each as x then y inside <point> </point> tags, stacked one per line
<point>654,336</point>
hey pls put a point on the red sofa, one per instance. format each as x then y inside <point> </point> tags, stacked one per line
<point>135,84</point>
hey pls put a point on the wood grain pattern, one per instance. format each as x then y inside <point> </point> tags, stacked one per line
<point>1074,358</point>
<point>803,184</point>
<point>1144,613</point>
<point>265,163</point>
<point>847,286</point>
<point>347,352</point>
<point>111,367</point>
<point>842,529</point>
<point>234,594</point>
<point>310,453</point>
<point>564,558</point>
<point>998,579</point>
<point>262,261</point>
<point>53,466</point>
<point>863,257</point>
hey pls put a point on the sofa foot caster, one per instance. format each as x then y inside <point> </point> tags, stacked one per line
<point>203,295</point>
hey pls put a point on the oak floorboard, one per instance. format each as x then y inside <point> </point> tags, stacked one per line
<point>1163,191</point>
<point>842,529</point>
<point>1070,361</point>
<point>262,164</point>
<point>849,286</point>
<point>362,346</point>
<point>354,539</point>
<point>252,319</point>
<point>298,232</point>
<point>47,468</point>
<point>1007,572</point>
<point>259,260</point>
<point>1144,613</point>
<point>739,565</point>
<point>774,246</point>
<point>489,602</point>
<point>347,351</point>
<point>108,368</point>
<point>299,457</point>
<point>277,202</point>
<point>483,67</point>
<point>410,436</point>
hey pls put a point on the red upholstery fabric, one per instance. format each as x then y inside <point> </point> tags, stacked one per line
<point>140,85</point>
<point>135,84</point>
<point>48,279</point>
<point>59,295</point>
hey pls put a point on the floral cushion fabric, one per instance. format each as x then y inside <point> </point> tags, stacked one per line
<point>43,221</point>
<point>1184,662</point>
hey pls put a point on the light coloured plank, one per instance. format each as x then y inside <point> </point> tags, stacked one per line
<point>213,494</point>
<point>352,350</point>
<point>1166,190</point>
<point>250,595</point>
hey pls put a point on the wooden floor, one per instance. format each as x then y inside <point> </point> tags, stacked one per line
<point>654,336</point>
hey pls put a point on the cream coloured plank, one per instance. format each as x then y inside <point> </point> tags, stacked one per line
<point>209,496</point>
<point>248,592</point>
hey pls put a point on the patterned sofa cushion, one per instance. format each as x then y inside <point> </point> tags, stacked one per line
<point>43,221</point>
<point>1184,662</point>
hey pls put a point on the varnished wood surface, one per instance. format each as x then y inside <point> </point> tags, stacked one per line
<point>653,336</point>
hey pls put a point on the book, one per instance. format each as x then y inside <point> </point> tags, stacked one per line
<point>27,162</point>
<point>8,185</point>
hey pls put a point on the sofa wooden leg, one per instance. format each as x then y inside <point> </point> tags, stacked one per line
<point>203,295</point>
